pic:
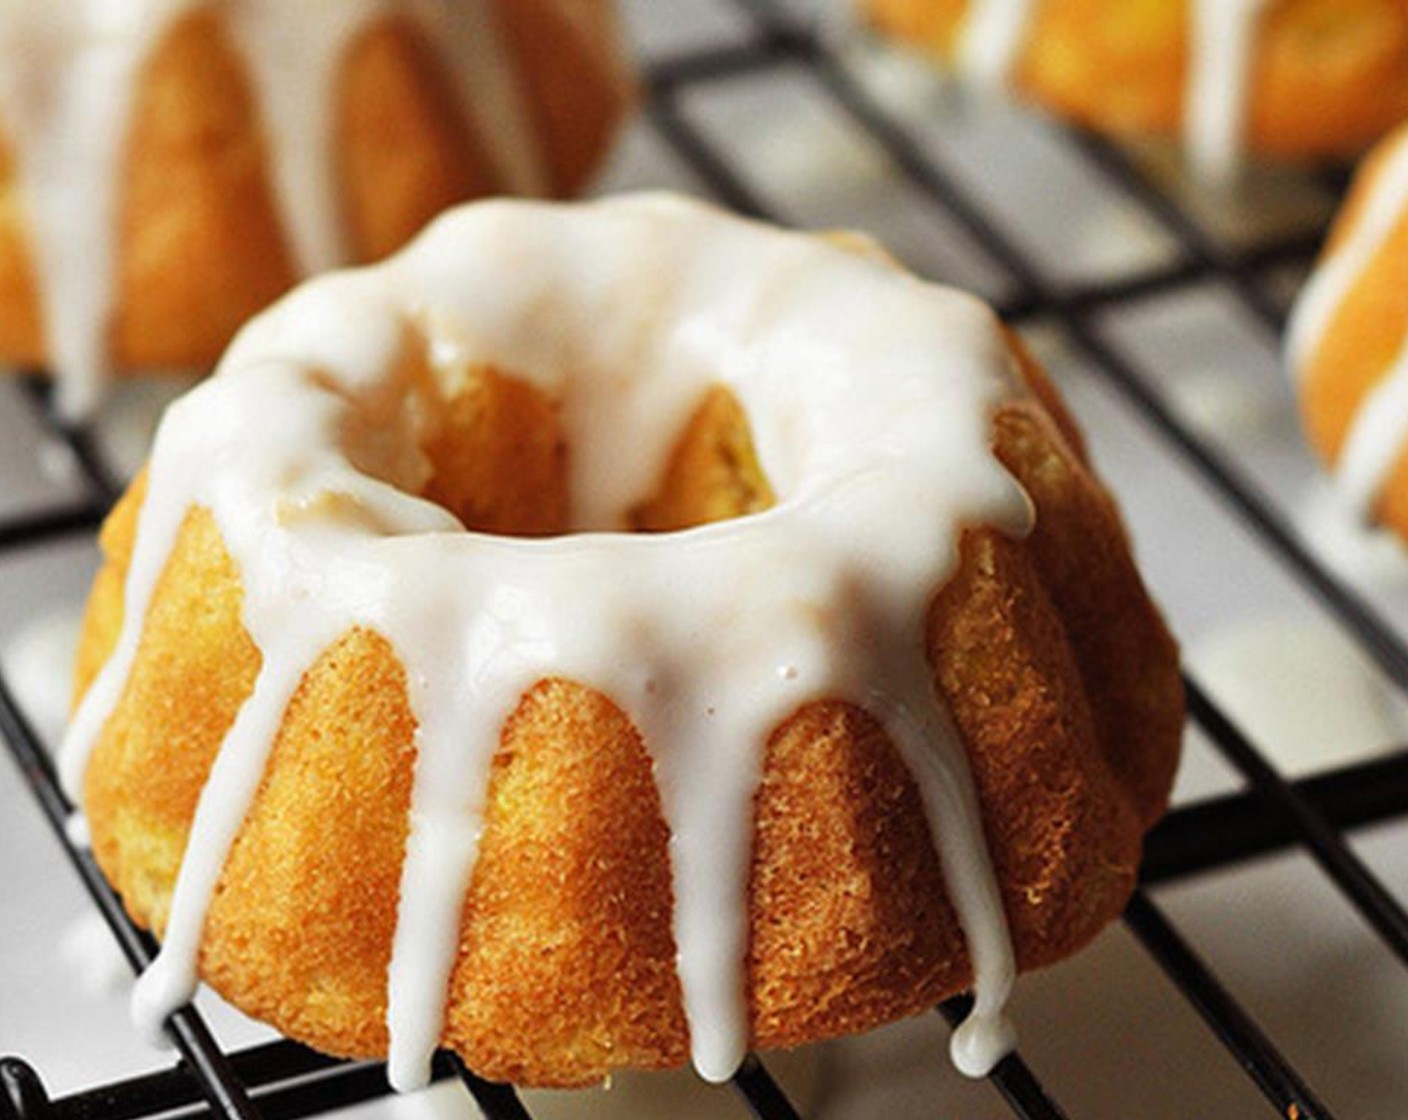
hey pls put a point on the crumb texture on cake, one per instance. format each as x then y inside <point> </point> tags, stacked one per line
<point>1038,652</point>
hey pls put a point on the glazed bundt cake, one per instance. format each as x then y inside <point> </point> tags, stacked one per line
<point>606,634</point>
<point>1348,342</point>
<point>1298,79</point>
<point>169,167</point>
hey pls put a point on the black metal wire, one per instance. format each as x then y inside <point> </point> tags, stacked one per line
<point>1012,1078</point>
<point>284,1079</point>
<point>761,1093</point>
<point>724,184</point>
<point>289,1081</point>
<point>36,529</point>
<point>1227,482</point>
<point>497,1102</point>
<point>1124,176</point>
<point>104,483</point>
<point>176,1090</point>
<point>1223,831</point>
<point>22,1095</point>
<point>1257,513</point>
<point>911,161</point>
<point>186,1028</point>
<point>1037,294</point>
<point>1359,885</point>
<point>1237,1030</point>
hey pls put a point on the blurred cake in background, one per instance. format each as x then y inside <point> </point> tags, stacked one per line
<point>1286,79</point>
<point>168,167</point>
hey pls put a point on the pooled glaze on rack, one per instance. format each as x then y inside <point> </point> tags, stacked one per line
<point>1222,47</point>
<point>69,74</point>
<point>1375,438</point>
<point>706,638</point>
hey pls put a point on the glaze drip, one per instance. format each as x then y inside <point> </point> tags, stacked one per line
<point>67,91</point>
<point>991,41</point>
<point>293,68</point>
<point>69,74</point>
<point>467,36</point>
<point>1222,46</point>
<point>1376,434</point>
<point>1223,35</point>
<point>706,638</point>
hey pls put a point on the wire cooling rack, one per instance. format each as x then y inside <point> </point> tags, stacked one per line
<point>1270,813</point>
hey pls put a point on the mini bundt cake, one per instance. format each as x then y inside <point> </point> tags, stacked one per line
<point>611,633</point>
<point>1297,79</point>
<point>1348,342</point>
<point>169,167</point>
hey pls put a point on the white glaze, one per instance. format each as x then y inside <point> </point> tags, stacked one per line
<point>1374,442</point>
<point>1376,435</point>
<point>992,38</point>
<point>293,67</point>
<point>68,78</point>
<point>1222,46</point>
<point>1334,277</point>
<point>1222,42</point>
<point>66,90</point>
<point>467,35</point>
<point>77,831</point>
<point>706,638</point>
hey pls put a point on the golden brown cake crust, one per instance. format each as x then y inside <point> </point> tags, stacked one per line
<point>1056,668</point>
<point>201,246</point>
<point>1329,77</point>
<point>1363,339</point>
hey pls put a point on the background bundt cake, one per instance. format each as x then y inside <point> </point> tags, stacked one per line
<point>1282,78</point>
<point>1347,342</point>
<point>391,729</point>
<point>169,167</point>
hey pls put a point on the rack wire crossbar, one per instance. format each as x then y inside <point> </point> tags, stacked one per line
<point>283,1079</point>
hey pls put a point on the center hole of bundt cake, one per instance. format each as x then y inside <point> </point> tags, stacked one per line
<point>499,457</point>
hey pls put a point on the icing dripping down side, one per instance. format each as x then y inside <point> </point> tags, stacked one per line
<point>1223,36</point>
<point>1333,278</point>
<point>293,67</point>
<point>470,40</point>
<point>69,75</point>
<point>1376,434</point>
<point>67,92</point>
<point>991,40</point>
<point>707,638</point>
<point>1222,45</point>
<point>1375,441</point>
